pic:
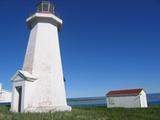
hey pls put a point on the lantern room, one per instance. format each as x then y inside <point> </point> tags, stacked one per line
<point>45,6</point>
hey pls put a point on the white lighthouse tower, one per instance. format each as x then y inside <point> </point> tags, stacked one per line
<point>39,86</point>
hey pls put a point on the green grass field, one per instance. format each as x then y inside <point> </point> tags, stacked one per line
<point>87,113</point>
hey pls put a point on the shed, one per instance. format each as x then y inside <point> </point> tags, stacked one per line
<point>5,96</point>
<point>131,98</point>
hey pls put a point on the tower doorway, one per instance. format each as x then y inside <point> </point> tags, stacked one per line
<point>19,91</point>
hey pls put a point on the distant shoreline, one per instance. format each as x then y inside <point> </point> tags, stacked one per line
<point>153,99</point>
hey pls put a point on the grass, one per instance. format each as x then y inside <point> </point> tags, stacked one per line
<point>87,113</point>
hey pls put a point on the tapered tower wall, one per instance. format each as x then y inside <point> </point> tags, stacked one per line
<point>39,86</point>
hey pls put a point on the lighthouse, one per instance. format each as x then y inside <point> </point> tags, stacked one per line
<point>39,86</point>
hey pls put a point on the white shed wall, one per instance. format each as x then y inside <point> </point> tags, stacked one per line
<point>143,99</point>
<point>124,101</point>
<point>5,96</point>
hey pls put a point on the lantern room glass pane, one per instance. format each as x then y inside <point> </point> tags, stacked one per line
<point>39,8</point>
<point>46,7</point>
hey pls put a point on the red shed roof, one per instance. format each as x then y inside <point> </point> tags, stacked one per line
<point>125,92</point>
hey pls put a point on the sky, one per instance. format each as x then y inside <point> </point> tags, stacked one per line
<point>105,44</point>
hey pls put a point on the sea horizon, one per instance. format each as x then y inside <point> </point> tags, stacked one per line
<point>152,99</point>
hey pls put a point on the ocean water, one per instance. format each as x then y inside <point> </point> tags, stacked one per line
<point>153,99</point>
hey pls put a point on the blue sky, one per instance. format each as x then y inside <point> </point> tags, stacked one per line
<point>105,44</point>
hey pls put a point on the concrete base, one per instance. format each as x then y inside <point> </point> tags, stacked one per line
<point>49,109</point>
